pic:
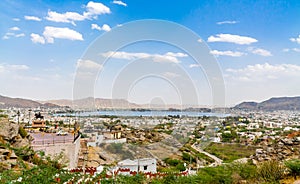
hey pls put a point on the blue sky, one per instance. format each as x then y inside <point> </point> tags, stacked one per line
<point>256,44</point>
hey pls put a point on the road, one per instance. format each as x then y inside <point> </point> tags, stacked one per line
<point>217,160</point>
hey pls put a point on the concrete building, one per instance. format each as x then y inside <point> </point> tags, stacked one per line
<point>139,165</point>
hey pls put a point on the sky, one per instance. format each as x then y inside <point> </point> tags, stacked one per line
<point>256,45</point>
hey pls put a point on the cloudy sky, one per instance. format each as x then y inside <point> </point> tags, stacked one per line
<point>255,43</point>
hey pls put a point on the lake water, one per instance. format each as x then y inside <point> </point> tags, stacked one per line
<point>156,113</point>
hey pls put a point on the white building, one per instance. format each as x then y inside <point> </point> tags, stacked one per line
<point>142,165</point>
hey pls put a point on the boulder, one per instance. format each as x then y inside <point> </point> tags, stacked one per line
<point>8,130</point>
<point>19,143</point>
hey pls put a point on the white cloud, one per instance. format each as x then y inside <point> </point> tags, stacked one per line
<point>96,26</point>
<point>194,65</point>
<point>285,50</point>
<point>200,40</point>
<point>292,49</point>
<point>62,33</point>
<point>227,53</point>
<point>170,75</point>
<point>177,54</point>
<point>68,17</point>
<point>241,40</point>
<point>227,22</point>
<point>5,37</point>
<point>36,38</point>
<point>9,35</point>
<point>20,35</point>
<point>88,64</point>
<point>14,28</point>
<point>296,49</point>
<point>104,27</point>
<point>93,9</point>
<point>16,19</point>
<point>12,68</point>
<point>259,51</point>
<point>32,18</point>
<point>119,3</point>
<point>167,57</point>
<point>297,40</point>
<point>264,71</point>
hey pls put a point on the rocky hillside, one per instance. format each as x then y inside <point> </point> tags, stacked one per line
<point>280,103</point>
<point>14,145</point>
<point>7,102</point>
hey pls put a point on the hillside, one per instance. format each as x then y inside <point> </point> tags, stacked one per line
<point>7,102</point>
<point>278,103</point>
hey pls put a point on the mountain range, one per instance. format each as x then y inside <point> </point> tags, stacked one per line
<point>272,104</point>
<point>7,102</point>
<point>278,103</point>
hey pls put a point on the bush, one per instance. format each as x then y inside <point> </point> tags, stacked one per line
<point>271,171</point>
<point>3,116</point>
<point>215,175</point>
<point>22,132</point>
<point>244,171</point>
<point>115,148</point>
<point>294,167</point>
<point>172,162</point>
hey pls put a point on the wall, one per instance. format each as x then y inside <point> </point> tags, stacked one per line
<point>70,149</point>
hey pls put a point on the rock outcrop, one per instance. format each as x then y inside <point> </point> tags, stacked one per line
<point>10,140</point>
<point>279,149</point>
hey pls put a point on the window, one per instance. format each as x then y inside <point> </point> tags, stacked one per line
<point>145,167</point>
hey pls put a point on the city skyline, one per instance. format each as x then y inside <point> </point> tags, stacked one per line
<point>256,44</point>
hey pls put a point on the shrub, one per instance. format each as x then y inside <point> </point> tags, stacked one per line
<point>215,175</point>
<point>294,167</point>
<point>271,171</point>
<point>22,132</point>
<point>245,170</point>
<point>3,116</point>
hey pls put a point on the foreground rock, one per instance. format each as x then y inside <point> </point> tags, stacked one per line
<point>10,140</point>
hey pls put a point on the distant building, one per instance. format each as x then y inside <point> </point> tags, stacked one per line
<point>112,135</point>
<point>38,124</point>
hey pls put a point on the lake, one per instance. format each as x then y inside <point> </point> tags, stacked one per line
<point>154,113</point>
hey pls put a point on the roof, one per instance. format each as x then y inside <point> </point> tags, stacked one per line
<point>141,161</point>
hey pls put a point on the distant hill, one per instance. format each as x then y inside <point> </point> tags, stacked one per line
<point>278,103</point>
<point>99,103</point>
<point>7,102</point>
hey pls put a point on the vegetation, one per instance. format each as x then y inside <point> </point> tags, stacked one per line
<point>271,171</point>
<point>174,165</point>
<point>22,132</point>
<point>230,152</point>
<point>51,171</point>
<point>117,148</point>
<point>3,116</point>
<point>294,167</point>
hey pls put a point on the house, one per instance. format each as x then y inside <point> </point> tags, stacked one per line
<point>99,139</point>
<point>112,135</point>
<point>216,139</point>
<point>138,165</point>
